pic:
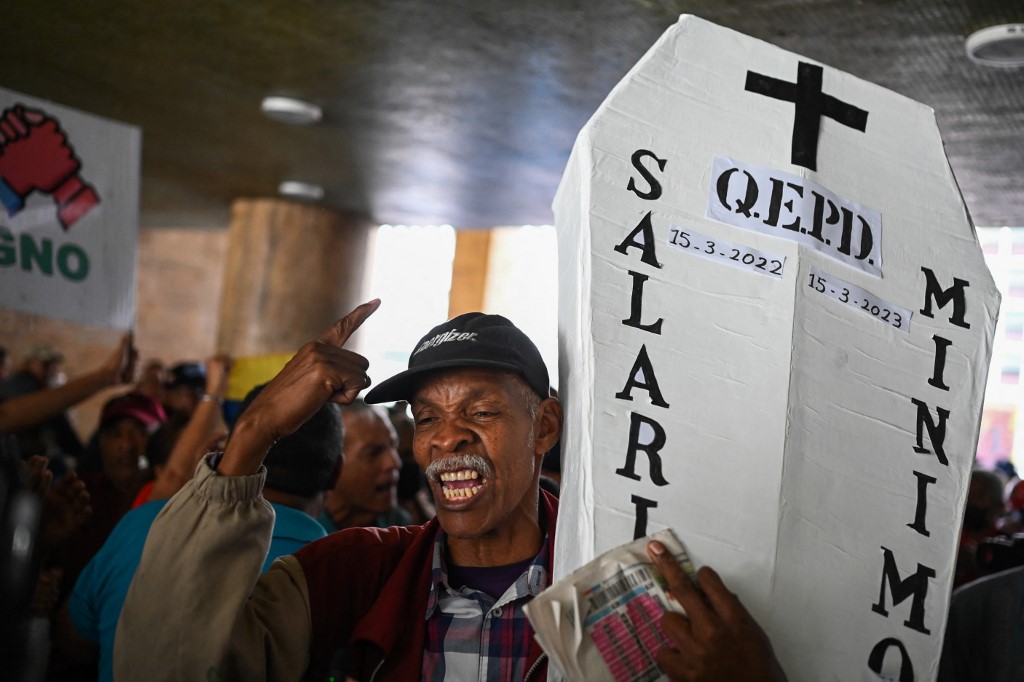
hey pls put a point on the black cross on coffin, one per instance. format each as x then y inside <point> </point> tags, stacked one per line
<point>811,104</point>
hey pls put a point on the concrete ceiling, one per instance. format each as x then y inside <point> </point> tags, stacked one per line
<point>460,112</point>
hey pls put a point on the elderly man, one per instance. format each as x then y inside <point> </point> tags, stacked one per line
<point>438,601</point>
<point>366,492</point>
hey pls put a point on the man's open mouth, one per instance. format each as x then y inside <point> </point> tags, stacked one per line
<point>461,485</point>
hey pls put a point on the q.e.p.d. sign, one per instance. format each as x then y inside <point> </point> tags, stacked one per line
<point>775,324</point>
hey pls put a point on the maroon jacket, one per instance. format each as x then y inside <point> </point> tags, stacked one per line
<point>368,591</point>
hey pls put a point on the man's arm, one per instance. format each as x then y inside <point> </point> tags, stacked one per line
<point>201,560</point>
<point>32,409</point>
<point>195,597</point>
<point>204,424</point>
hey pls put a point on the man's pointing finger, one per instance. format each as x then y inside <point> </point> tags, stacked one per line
<point>341,330</point>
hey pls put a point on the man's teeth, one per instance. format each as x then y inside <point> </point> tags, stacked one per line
<point>461,493</point>
<point>453,490</point>
<point>464,475</point>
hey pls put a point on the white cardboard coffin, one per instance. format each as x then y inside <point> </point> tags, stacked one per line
<point>775,325</point>
<point>69,213</point>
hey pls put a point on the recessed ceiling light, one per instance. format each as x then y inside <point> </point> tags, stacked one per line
<point>301,190</point>
<point>290,110</point>
<point>997,45</point>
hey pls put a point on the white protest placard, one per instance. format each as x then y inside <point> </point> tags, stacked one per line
<point>69,213</point>
<point>775,324</point>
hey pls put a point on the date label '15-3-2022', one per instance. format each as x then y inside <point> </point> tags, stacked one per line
<point>727,253</point>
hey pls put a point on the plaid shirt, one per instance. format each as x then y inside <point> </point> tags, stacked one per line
<point>472,636</point>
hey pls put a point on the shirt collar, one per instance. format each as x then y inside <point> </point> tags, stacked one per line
<point>532,582</point>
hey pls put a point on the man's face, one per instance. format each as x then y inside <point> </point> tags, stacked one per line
<point>369,477</point>
<point>121,445</point>
<point>480,446</point>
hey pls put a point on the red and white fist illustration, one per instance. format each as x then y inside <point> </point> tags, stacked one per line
<point>35,156</point>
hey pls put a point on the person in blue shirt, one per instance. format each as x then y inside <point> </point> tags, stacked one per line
<point>300,470</point>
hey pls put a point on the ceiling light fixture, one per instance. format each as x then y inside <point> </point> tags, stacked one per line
<point>997,46</point>
<point>290,110</point>
<point>306,191</point>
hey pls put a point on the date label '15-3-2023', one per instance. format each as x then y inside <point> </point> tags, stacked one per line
<point>864,301</point>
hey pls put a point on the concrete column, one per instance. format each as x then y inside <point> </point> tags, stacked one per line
<point>292,270</point>
<point>469,271</point>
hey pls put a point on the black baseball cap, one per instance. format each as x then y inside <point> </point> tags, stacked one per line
<point>190,374</point>
<point>469,340</point>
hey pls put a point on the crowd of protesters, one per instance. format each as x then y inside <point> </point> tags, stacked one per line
<point>98,494</point>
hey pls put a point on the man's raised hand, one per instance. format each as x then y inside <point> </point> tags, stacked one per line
<point>120,366</point>
<point>321,371</point>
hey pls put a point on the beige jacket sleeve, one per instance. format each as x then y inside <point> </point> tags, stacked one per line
<point>198,608</point>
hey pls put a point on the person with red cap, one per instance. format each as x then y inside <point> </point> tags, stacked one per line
<point>126,423</point>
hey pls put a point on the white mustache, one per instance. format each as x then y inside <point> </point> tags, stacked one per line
<point>458,463</point>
